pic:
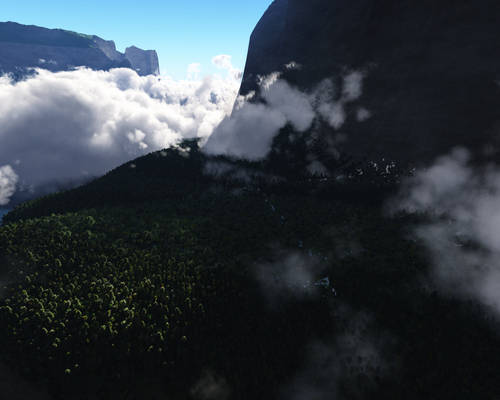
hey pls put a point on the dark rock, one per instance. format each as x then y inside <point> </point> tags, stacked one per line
<point>431,69</point>
<point>23,47</point>
<point>145,62</point>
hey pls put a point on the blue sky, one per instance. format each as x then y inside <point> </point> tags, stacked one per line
<point>182,32</point>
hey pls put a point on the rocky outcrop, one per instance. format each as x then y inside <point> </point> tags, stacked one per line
<point>145,62</point>
<point>431,70</point>
<point>23,47</point>
<point>108,47</point>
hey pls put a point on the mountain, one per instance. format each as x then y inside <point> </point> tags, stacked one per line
<point>145,62</point>
<point>28,46</point>
<point>177,275</point>
<point>185,276</point>
<point>431,70</point>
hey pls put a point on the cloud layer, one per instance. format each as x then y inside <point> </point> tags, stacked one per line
<point>463,235</point>
<point>65,126</point>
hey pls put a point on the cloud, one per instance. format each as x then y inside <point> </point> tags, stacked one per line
<point>362,114</point>
<point>223,61</point>
<point>210,387</point>
<point>8,181</point>
<point>351,360</point>
<point>231,172</point>
<point>462,203</point>
<point>249,132</point>
<point>292,65</point>
<point>193,71</point>
<point>64,128</point>
<point>67,126</point>
<point>353,86</point>
<point>293,276</point>
<point>294,105</point>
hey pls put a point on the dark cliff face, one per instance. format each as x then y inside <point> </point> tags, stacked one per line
<point>145,62</point>
<point>23,47</point>
<point>430,69</point>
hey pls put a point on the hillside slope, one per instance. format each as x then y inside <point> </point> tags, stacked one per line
<point>183,277</point>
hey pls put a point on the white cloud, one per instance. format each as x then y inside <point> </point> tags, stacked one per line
<point>333,113</point>
<point>8,181</point>
<point>250,130</point>
<point>63,127</point>
<point>362,114</point>
<point>193,71</point>
<point>293,104</point>
<point>317,168</point>
<point>463,234</point>
<point>265,82</point>
<point>248,133</point>
<point>292,65</point>
<point>353,86</point>
<point>293,275</point>
<point>68,125</point>
<point>223,61</point>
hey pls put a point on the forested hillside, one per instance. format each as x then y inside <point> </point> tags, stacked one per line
<point>178,276</point>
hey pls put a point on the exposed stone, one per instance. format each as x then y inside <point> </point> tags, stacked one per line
<point>145,62</point>
<point>431,69</point>
<point>23,47</point>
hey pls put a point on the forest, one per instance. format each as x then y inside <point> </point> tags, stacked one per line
<point>183,276</point>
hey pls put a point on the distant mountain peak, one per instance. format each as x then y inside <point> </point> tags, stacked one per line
<point>30,46</point>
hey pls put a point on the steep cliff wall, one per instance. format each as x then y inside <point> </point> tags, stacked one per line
<point>145,62</point>
<point>430,69</point>
<point>23,47</point>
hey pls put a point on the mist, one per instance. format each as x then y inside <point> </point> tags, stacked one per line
<point>249,132</point>
<point>462,232</point>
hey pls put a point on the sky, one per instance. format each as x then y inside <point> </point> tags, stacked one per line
<point>182,32</point>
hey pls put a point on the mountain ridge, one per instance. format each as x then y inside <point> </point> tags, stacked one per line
<point>29,46</point>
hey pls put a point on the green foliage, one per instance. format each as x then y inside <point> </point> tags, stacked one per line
<point>100,287</point>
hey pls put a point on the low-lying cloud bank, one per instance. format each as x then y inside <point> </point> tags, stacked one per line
<point>463,235</point>
<point>66,126</point>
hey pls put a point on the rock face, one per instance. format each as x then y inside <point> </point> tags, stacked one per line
<point>145,62</point>
<point>431,70</point>
<point>23,47</point>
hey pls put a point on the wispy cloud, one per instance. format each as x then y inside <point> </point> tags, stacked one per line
<point>210,387</point>
<point>193,71</point>
<point>250,130</point>
<point>8,181</point>
<point>462,203</point>
<point>292,276</point>
<point>223,61</point>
